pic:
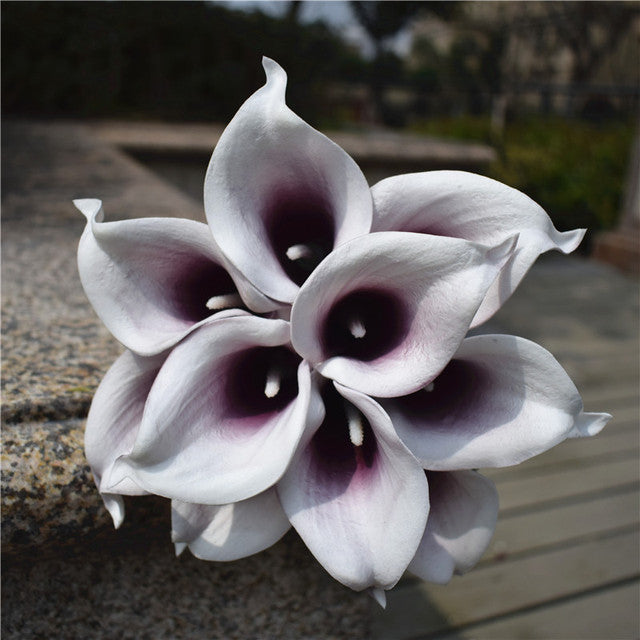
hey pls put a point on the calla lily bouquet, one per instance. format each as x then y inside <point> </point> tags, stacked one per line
<point>302,360</point>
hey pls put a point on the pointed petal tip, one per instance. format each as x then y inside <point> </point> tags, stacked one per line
<point>115,506</point>
<point>179,547</point>
<point>589,424</point>
<point>273,70</point>
<point>117,520</point>
<point>379,596</point>
<point>568,241</point>
<point>88,207</point>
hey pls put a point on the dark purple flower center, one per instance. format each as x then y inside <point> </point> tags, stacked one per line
<point>198,282</point>
<point>334,454</point>
<point>457,392</point>
<point>301,232</point>
<point>261,380</point>
<point>364,325</point>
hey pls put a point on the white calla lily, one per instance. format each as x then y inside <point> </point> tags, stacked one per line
<point>465,205</point>
<point>355,494</point>
<point>500,400</point>
<point>114,420</point>
<point>293,193</point>
<point>230,531</point>
<point>462,518</point>
<point>154,280</point>
<point>372,315</point>
<point>224,415</point>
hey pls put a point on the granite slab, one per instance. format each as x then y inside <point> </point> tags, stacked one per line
<point>48,493</point>
<point>139,590</point>
<point>55,350</point>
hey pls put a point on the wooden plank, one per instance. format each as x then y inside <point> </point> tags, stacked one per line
<point>576,452</point>
<point>620,410</point>
<point>605,391</point>
<point>587,372</point>
<point>522,492</point>
<point>593,350</point>
<point>562,525</point>
<point>630,422</point>
<point>621,414</point>
<point>597,348</point>
<point>610,613</point>
<point>419,609</point>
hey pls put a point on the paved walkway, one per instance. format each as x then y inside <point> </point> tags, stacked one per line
<point>563,562</point>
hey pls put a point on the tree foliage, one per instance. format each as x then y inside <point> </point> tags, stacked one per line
<point>162,59</point>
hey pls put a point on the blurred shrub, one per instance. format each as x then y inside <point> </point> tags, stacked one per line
<point>573,168</point>
<point>187,60</point>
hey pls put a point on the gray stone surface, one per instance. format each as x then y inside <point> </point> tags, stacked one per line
<point>138,590</point>
<point>48,496</point>
<point>55,350</point>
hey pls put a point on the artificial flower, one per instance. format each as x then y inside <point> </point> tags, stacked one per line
<point>354,409</point>
<point>355,494</point>
<point>113,422</point>
<point>224,415</point>
<point>499,401</point>
<point>462,517</point>
<point>279,195</point>
<point>465,205</point>
<point>384,314</point>
<point>230,531</point>
<point>154,280</point>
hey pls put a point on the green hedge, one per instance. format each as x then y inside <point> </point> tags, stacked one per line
<point>575,169</point>
<point>169,60</point>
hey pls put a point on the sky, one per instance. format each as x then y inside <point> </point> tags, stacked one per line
<point>334,12</point>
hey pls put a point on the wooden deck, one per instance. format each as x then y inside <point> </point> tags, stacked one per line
<point>563,562</point>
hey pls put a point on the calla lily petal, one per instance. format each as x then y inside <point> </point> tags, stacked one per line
<point>252,297</point>
<point>224,415</point>
<point>462,519</point>
<point>476,208</point>
<point>355,494</point>
<point>151,280</point>
<point>114,419</point>
<point>230,531</point>
<point>384,313</point>
<point>279,195</point>
<point>379,595</point>
<point>501,400</point>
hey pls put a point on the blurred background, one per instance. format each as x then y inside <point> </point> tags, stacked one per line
<point>554,87</point>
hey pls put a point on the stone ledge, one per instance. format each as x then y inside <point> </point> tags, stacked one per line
<point>48,494</point>
<point>379,147</point>
<point>138,590</point>
<point>55,349</point>
<point>67,573</point>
